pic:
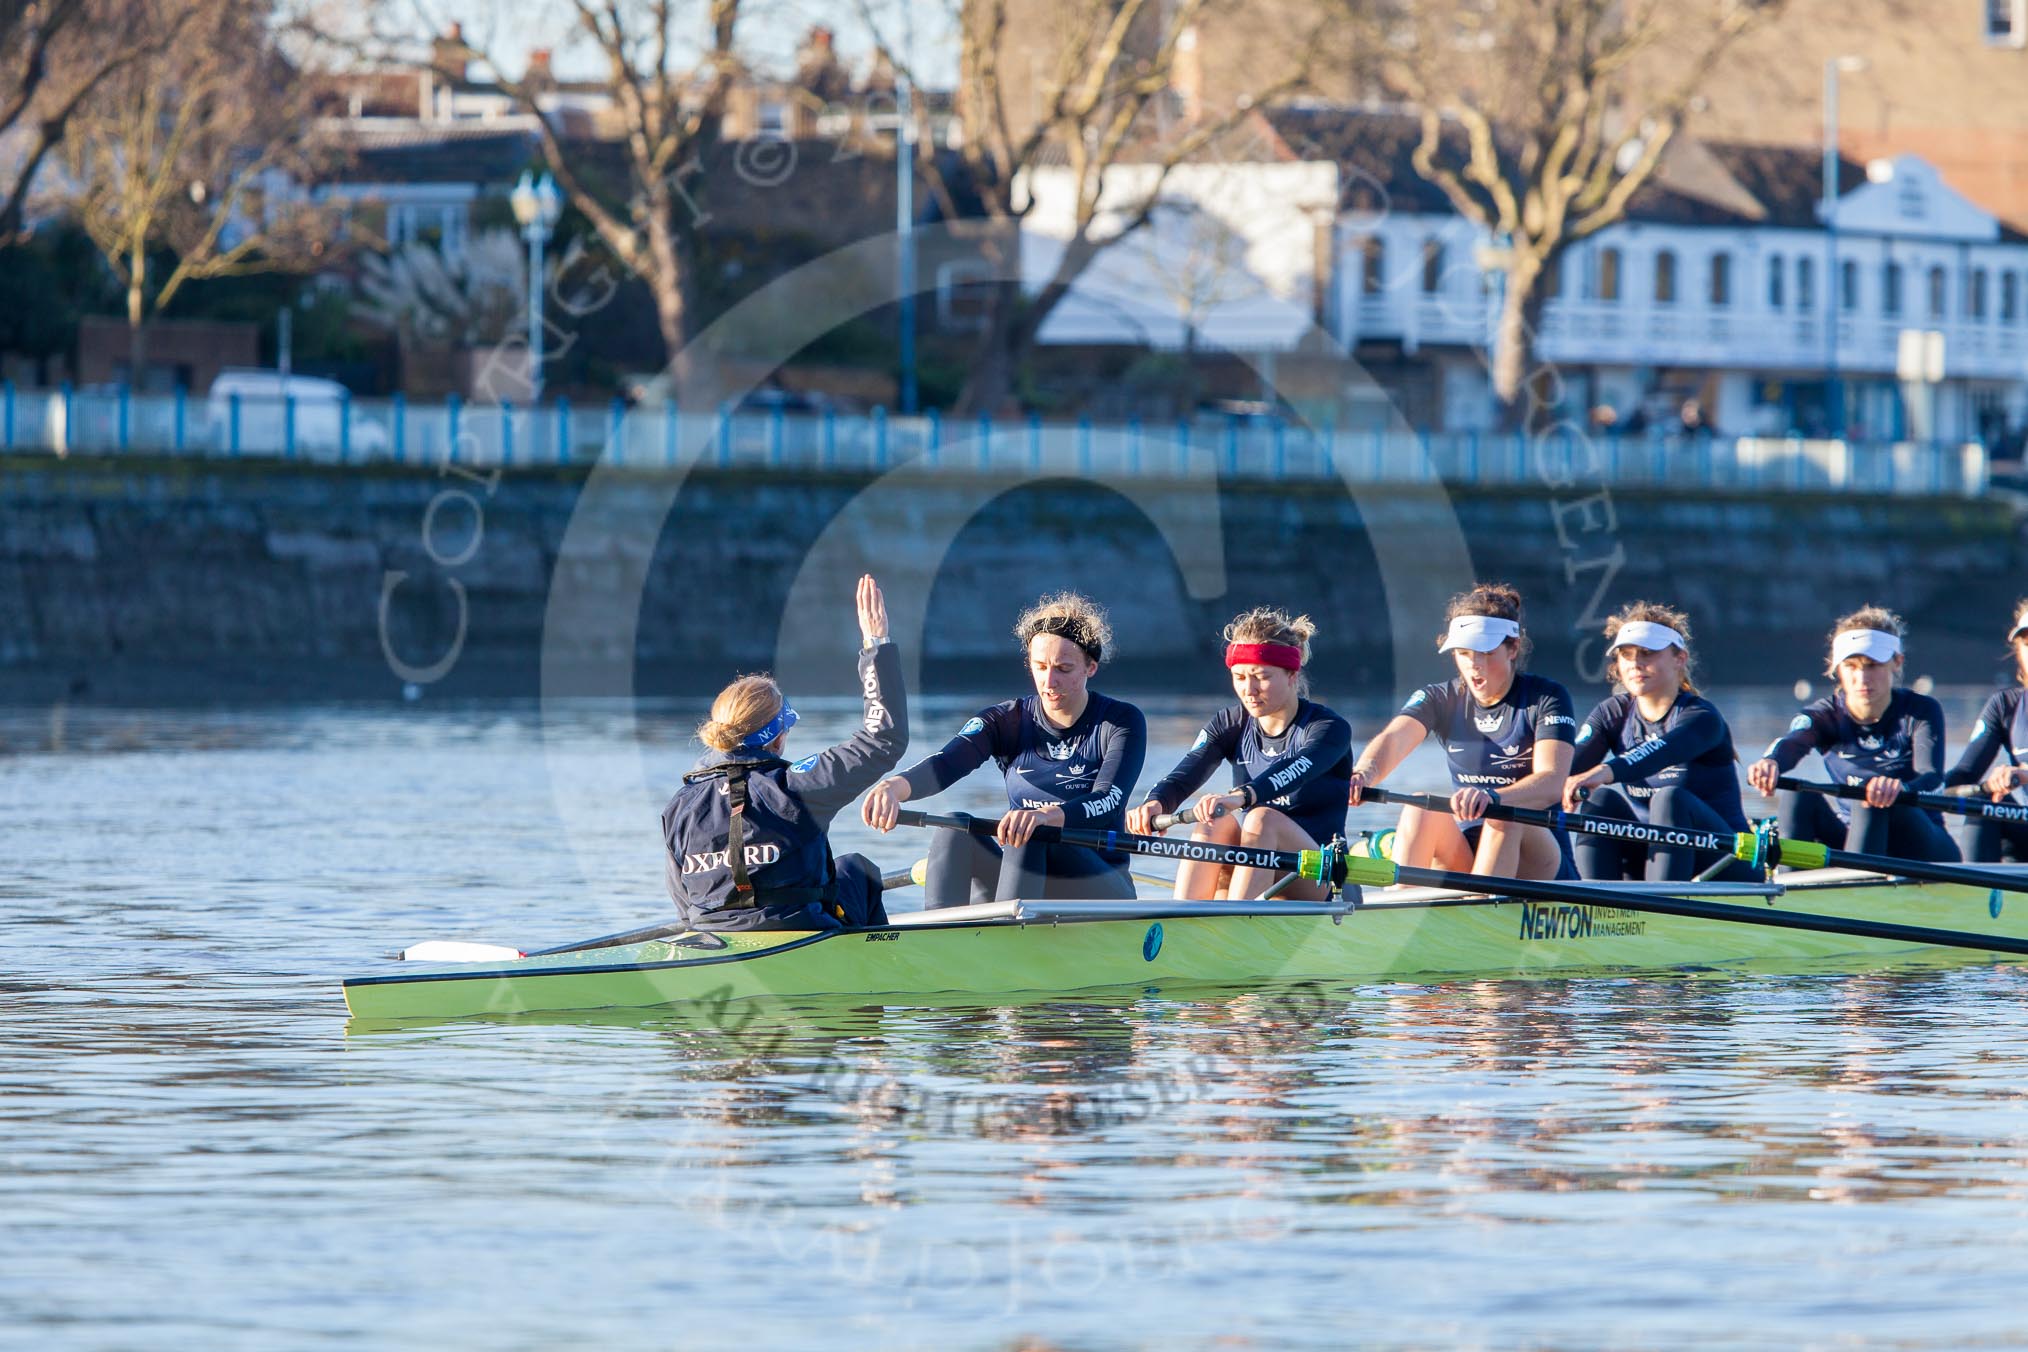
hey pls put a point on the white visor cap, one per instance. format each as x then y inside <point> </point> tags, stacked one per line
<point>1873,643</point>
<point>1647,634</point>
<point>2019,629</point>
<point>1480,633</point>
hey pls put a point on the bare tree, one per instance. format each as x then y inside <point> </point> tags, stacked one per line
<point>668,108</point>
<point>1100,80</point>
<point>53,54</point>
<point>1542,118</point>
<point>196,157</point>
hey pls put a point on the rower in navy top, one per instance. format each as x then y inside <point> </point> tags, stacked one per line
<point>1069,756</point>
<point>1291,764</point>
<point>1507,735</point>
<point>747,834</point>
<point>1868,732</point>
<point>2002,726</point>
<point>1655,752</point>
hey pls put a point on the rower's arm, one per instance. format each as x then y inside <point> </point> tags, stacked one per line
<point>1542,786</point>
<point>1598,736</point>
<point>1810,730</point>
<point>1694,734</point>
<point>1380,757</point>
<point>830,779</point>
<point>1125,748</point>
<point>964,753</point>
<point>1989,738</point>
<point>1322,747</point>
<point>1926,746</point>
<point>1212,746</point>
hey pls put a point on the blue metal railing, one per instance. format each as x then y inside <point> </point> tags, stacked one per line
<point>662,436</point>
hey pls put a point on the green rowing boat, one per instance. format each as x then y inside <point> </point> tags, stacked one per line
<point>1027,948</point>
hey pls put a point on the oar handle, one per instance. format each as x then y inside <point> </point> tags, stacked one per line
<point>1183,816</point>
<point>1325,865</point>
<point>1937,802</point>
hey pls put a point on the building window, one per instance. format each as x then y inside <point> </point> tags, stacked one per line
<point>1721,280</point>
<point>1606,285</point>
<point>1373,274</point>
<point>1806,285</point>
<point>1848,285</point>
<point>2010,297</point>
<point>2007,23</point>
<point>1432,266</point>
<point>1665,278</point>
<point>1774,282</point>
<point>965,295</point>
<point>1938,293</point>
<point>1975,293</point>
<point>1890,289</point>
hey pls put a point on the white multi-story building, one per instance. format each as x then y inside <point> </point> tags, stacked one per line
<point>1729,284</point>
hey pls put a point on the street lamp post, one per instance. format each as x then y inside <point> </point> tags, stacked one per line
<point>537,205</point>
<point>1834,289</point>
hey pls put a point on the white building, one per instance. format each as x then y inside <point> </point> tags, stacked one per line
<point>1713,290</point>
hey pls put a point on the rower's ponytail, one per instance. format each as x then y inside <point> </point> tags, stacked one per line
<point>742,708</point>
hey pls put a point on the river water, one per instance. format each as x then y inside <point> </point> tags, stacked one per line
<point>199,1152</point>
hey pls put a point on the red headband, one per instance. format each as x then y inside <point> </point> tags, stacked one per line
<point>1264,654</point>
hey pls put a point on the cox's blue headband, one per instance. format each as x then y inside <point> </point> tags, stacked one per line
<point>779,724</point>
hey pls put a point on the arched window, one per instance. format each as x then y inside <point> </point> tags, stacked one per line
<point>1938,293</point>
<point>1775,279</point>
<point>1665,277</point>
<point>1432,266</point>
<point>1975,293</point>
<point>1721,280</point>
<point>1606,285</point>
<point>1848,285</point>
<point>1890,289</point>
<point>1806,285</point>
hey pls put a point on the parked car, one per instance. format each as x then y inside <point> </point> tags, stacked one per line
<point>267,399</point>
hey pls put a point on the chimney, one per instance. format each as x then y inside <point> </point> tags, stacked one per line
<point>1186,75</point>
<point>449,56</point>
<point>538,67</point>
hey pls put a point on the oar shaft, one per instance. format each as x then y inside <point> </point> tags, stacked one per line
<point>1310,863</point>
<point>1719,842</point>
<point>1935,802</point>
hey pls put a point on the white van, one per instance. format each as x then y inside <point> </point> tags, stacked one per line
<point>265,399</point>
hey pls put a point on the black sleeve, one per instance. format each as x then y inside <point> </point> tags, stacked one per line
<point>1989,737</point>
<point>1694,734</point>
<point>985,735</point>
<point>830,779</point>
<point>1555,716</point>
<point>1926,745</point>
<point>1218,741</point>
<point>1124,745</point>
<point>1600,733</point>
<point>1808,730</point>
<point>1324,745</point>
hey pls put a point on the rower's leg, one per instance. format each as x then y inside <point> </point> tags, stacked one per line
<point>1601,858</point>
<point>1513,850</point>
<point>1677,807</point>
<point>1431,840</point>
<point>962,870</point>
<point>1197,880</point>
<point>1986,841</point>
<point>1809,816</point>
<point>1269,828</point>
<point>1911,833</point>
<point>1062,873</point>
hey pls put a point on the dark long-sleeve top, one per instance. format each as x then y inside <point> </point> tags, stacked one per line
<point>1906,742</point>
<point>1306,772</point>
<point>1689,747</point>
<point>2002,727</point>
<point>1087,769</point>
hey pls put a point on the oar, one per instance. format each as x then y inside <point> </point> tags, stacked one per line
<point>1312,864</point>
<point>1937,802</point>
<point>459,950</point>
<point>1380,873</point>
<point>1753,849</point>
<point>1337,868</point>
